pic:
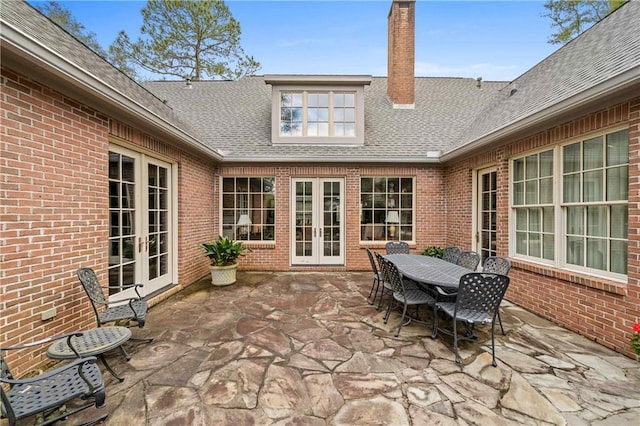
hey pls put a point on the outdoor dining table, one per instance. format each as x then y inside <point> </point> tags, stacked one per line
<point>429,270</point>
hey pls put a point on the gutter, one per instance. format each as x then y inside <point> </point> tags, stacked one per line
<point>619,83</point>
<point>432,157</point>
<point>24,46</point>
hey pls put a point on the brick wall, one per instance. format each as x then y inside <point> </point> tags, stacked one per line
<point>54,210</point>
<point>599,309</point>
<point>429,221</point>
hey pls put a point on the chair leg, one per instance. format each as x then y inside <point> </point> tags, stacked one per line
<point>434,331</point>
<point>455,341</point>
<point>493,343</point>
<point>388,313</point>
<point>500,321</point>
<point>374,284</point>
<point>404,312</point>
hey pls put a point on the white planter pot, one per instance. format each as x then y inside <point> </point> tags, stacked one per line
<point>223,275</point>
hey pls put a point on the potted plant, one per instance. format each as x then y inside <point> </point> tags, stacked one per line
<point>223,254</point>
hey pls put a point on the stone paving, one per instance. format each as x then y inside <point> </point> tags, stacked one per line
<point>307,349</point>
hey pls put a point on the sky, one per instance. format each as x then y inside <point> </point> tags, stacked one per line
<point>495,40</point>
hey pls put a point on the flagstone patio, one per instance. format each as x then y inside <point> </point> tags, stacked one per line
<point>307,349</point>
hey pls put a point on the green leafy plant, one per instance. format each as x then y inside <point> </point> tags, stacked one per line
<point>433,251</point>
<point>635,339</point>
<point>224,251</point>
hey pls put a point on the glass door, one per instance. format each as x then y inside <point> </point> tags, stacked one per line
<point>486,213</point>
<point>140,222</point>
<point>317,221</point>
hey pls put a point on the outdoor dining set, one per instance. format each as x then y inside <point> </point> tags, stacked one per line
<point>449,286</point>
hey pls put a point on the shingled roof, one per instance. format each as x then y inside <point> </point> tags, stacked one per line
<point>452,116</point>
<point>603,60</point>
<point>235,117</point>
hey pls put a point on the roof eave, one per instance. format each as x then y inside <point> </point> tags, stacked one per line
<point>617,86</point>
<point>30,50</point>
<point>332,159</point>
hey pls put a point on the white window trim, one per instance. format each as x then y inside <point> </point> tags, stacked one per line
<point>559,213</point>
<point>276,138</point>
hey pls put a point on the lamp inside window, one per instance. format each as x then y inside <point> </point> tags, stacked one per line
<point>243,225</point>
<point>392,219</point>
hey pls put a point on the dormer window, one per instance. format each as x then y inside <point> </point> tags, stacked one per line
<point>318,109</point>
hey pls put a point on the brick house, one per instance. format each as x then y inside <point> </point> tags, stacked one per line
<point>309,170</point>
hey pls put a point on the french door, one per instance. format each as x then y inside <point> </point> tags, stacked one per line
<point>486,224</point>
<point>140,222</point>
<point>317,221</point>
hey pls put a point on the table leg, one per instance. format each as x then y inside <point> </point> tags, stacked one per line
<point>108,367</point>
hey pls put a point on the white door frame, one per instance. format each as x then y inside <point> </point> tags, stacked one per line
<point>478,210</point>
<point>318,231</point>
<point>143,242</point>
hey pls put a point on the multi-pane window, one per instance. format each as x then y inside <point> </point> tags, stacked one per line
<point>533,202</point>
<point>248,208</point>
<point>318,114</point>
<point>589,217</point>
<point>386,208</point>
<point>595,193</point>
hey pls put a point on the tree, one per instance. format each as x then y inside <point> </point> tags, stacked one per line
<point>186,39</point>
<point>572,17</point>
<point>63,18</point>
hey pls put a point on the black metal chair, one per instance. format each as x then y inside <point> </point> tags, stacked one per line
<point>469,260</point>
<point>376,277</point>
<point>47,395</point>
<point>497,265</point>
<point>477,302</point>
<point>397,247</point>
<point>451,254</point>
<point>386,285</point>
<point>404,291</point>
<point>135,308</point>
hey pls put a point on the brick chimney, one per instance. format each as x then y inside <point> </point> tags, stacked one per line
<point>401,53</point>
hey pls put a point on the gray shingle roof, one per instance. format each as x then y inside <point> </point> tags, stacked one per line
<point>235,116</point>
<point>607,51</point>
<point>25,18</point>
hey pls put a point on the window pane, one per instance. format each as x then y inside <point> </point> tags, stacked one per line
<point>349,129</point>
<point>617,183</point>
<point>619,257</point>
<point>548,247</point>
<point>597,253</point>
<point>571,188</point>
<point>575,251</point>
<point>575,220</point>
<point>571,158</point>
<point>521,243</point>
<point>518,170</point>
<point>546,191</point>
<point>597,221</point>
<point>548,220</point>
<point>619,221</point>
<point>546,163</point>
<point>593,186</point>
<point>532,166</point>
<point>592,151</point>
<point>532,192</point>
<point>521,219</point>
<point>618,148</point>
<point>534,220</point>
<point>534,245</point>
<point>518,193</point>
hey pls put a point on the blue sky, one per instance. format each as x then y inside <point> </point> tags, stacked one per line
<point>497,40</point>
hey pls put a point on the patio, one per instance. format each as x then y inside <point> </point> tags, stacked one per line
<point>307,349</point>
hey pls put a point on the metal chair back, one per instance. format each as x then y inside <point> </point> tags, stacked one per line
<point>397,247</point>
<point>496,265</point>
<point>479,296</point>
<point>451,254</point>
<point>469,260</point>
